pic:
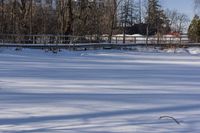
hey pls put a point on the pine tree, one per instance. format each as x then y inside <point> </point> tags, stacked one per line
<point>156,18</point>
<point>194,29</point>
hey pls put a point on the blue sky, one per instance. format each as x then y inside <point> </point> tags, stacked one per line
<point>185,6</point>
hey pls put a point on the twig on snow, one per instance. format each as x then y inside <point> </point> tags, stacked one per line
<point>175,120</point>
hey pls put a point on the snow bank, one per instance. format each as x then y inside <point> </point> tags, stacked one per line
<point>194,50</point>
<point>137,35</point>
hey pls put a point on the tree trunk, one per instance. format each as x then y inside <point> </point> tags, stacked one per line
<point>2,16</point>
<point>69,30</point>
<point>31,16</point>
<point>113,16</point>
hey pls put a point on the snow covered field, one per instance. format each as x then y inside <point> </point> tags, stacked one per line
<point>99,92</point>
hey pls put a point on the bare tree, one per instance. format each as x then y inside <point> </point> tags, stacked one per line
<point>178,22</point>
<point>61,16</point>
<point>82,16</point>
<point>2,16</point>
<point>65,17</point>
<point>140,11</point>
<point>197,5</point>
<point>183,21</point>
<point>113,6</point>
<point>21,16</point>
<point>14,20</point>
<point>31,16</point>
<point>70,20</point>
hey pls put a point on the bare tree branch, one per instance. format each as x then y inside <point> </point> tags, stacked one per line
<point>169,117</point>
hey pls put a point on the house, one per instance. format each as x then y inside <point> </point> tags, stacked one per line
<point>137,29</point>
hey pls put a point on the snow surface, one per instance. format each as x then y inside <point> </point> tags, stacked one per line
<point>99,91</point>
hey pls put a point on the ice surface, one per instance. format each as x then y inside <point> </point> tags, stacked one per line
<point>99,91</point>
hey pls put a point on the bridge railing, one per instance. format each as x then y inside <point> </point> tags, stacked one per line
<point>65,40</point>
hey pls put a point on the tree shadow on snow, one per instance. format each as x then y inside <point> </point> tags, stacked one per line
<point>18,121</point>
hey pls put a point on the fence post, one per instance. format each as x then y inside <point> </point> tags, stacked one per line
<point>33,40</point>
<point>147,38</point>
<point>135,40</point>
<point>170,40</point>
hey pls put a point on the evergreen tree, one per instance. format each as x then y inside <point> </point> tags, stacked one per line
<point>156,18</point>
<point>194,29</point>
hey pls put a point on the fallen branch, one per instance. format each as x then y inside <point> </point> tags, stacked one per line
<point>175,120</point>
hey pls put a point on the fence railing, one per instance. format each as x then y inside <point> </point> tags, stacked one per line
<point>62,39</point>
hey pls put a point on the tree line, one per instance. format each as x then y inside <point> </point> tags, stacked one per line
<point>88,17</point>
<point>69,17</point>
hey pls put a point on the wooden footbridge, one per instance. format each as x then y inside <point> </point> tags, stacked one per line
<point>91,42</point>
